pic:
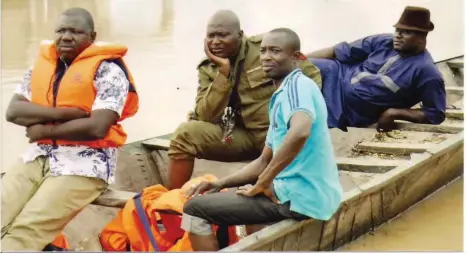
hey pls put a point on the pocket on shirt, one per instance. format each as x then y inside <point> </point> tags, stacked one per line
<point>260,86</point>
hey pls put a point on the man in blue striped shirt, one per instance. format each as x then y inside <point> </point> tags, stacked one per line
<point>296,176</point>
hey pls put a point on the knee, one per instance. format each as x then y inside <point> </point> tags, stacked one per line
<point>188,130</point>
<point>185,139</point>
<point>193,206</point>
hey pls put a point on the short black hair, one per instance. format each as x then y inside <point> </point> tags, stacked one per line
<point>77,11</point>
<point>292,36</point>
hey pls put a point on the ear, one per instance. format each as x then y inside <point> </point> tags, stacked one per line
<point>93,36</point>
<point>240,34</point>
<point>297,56</point>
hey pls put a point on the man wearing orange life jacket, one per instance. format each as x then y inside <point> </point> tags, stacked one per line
<point>70,103</point>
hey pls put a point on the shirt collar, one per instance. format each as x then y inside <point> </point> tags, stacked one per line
<point>287,79</point>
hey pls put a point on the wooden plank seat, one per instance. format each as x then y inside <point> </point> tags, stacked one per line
<point>454,90</point>
<point>455,113</point>
<point>456,63</point>
<point>394,148</point>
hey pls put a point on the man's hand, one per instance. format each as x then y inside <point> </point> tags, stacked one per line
<point>36,132</point>
<point>386,121</point>
<point>204,187</point>
<point>223,64</point>
<point>67,114</point>
<point>258,188</point>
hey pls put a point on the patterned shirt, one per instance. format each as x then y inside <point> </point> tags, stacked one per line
<point>111,87</point>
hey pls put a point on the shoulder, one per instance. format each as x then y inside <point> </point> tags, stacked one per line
<point>427,67</point>
<point>380,40</point>
<point>109,69</point>
<point>205,62</point>
<point>305,85</point>
<point>110,75</point>
<point>207,69</point>
<point>255,39</point>
<point>254,43</point>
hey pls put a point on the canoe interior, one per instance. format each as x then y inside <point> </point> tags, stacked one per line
<point>382,175</point>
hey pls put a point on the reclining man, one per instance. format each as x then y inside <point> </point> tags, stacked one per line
<point>379,78</point>
<point>292,179</point>
<point>231,81</point>
<point>70,103</point>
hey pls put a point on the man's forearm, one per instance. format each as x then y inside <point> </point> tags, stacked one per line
<point>26,113</point>
<point>26,121</point>
<point>247,175</point>
<point>212,104</point>
<point>292,145</point>
<point>411,115</point>
<point>83,129</point>
<point>326,53</point>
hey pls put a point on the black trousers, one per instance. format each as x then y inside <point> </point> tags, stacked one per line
<point>228,209</point>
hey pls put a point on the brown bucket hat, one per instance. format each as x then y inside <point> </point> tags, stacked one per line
<point>415,18</point>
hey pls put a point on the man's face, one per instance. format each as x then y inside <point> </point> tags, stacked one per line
<point>223,40</point>
<point>276,55</point>
<point>408,41</point>
<point>72,36</point>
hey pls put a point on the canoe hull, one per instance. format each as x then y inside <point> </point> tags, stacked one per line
<point>376,202</point>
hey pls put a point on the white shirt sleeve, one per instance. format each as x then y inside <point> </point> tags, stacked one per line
<point>111,87</point>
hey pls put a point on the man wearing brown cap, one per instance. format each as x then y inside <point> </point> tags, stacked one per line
<point>379,78</point>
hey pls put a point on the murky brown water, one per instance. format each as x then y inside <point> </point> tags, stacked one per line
<point>165,44</point>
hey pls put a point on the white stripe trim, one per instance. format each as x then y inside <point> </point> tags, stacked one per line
<point>386,80</point>
<point>388,64</point>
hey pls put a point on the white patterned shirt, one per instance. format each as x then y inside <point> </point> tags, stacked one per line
<point>111,87</point>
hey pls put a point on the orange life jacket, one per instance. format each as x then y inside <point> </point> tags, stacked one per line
<point>59,244</point>
<point>151,221</point>
<point>76,88</point>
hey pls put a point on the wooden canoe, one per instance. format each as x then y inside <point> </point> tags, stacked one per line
<point>382,175</point>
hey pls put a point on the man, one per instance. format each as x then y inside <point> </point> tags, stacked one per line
<point>70,103</point>
<point>379,78</point>
<point>292,179</point>
<point>230,116</point>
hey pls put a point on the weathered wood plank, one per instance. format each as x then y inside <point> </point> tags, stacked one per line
<point>329,232</point>
<point>459,90</point>
<point>291,241</point>
<point>262,238</point>
<point>362,222</point>
<point>114,198</point>
<point>135,168</point>
<point>388,194</point>
<point>345,222</point>
<point>456,63</point>
<point>367,165</point>
<point>278,244</point>
<point>416,185</point>
<point>310,236</point>
<point>455,113</point>
<point>393,148</point>
<point>160,159</point>
<point>376,209</point>
<point>157,143</point>
<point>451,128</point>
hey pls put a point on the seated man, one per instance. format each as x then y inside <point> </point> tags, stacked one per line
<point>70,103</point>
<point>231,81</point>
<point>292,179</point>
<point>380,77</point>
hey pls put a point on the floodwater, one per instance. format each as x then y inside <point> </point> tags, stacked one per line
<point>165,44</point>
